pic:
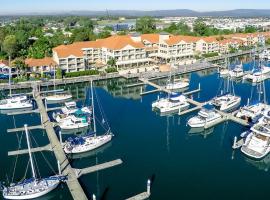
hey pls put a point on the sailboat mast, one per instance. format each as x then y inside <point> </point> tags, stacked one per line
<point>93,108</point>
<point>9,81</point>
<point>54,78</point>
<point>29,151</point>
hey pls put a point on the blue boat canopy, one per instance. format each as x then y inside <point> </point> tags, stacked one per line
<point>174,94</point>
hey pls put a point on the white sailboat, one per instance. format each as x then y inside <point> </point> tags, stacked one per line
<point>57,97</point>
<point>206,117</point>
<point>90,141</point>
<point>33,187</point>
<point>265,55</point>
<point>225,72</point>
<point>176,84</point>
<point>174,102</point>
<point>227,102</point>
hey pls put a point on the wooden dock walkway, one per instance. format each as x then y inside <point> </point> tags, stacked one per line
<point>141,196</point>
<point>13,130</point>
<point>33,150</point>
<point>72,182</point>
<point>99,167</point>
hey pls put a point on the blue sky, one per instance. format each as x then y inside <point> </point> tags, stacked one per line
<point>10,6</point>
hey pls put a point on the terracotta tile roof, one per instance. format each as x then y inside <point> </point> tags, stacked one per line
<point>209,39</point>
<point>152,38</point>
<point>175,39</point>
<point>230,41</point>
<point>47,61</point>
<point>4,62</point>
<point>118,42</point>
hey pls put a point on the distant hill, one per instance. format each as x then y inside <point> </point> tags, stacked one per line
<point>158,13</point>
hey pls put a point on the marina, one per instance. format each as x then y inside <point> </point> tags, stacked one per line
<point>147,89</point>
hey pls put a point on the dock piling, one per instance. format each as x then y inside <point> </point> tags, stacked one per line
<point>149,187</point>
<point>94,197</point>
<point>234,142</point>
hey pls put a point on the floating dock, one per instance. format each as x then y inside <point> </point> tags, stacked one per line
<point>33,150</point>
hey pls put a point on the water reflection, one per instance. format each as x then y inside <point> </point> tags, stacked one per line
<point>201,131</point>
<point>262,164</point>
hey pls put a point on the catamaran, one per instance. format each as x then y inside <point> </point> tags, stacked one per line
<point>174,102</point>
<point>206,117</point>
<point>33,187</point>
<point>257,141</point>
<point>90,141</point>
<point>237,72</point>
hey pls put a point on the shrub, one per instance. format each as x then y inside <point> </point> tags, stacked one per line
<point>111,70</point>
<point>208,55</point>
<point>82,73</point>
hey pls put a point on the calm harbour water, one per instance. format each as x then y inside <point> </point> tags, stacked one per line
<point>184,165</point>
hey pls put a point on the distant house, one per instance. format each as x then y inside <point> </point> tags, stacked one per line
<point>4,67</point>
<point>46,64</point>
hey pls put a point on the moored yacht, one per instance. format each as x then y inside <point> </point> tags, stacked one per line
<point>71,107</point>
<point>33,187</point>
<point>178,84</point>
<point>206,117</point>
<point>73,122</point>
<point>252,112</point>
<point>15,102</point>
<point>258,75</point>
<point>237,72</point>
<point>58,98</point>
<point>90,141</point>
<point>226,102</point>
<point>174,102</point>
<point>257,142</point>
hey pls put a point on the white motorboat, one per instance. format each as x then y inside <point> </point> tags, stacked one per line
<point>257,142</point>
<point>71,108</point>
<point>224,72</point>
<point>91,141</point>
<point>72,122</point>
<point>174,102</point>
<point>226,102</point>
<point>178,84</point>
<point>206,117</point>
<point>252,112</point>
<point>33,187</point>
<point>237,72</point>
<point>265,55</point>
<point>15,102</point>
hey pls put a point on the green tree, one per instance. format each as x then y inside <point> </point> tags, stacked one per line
<point>104,34</point>
<point>10,45</point>
<point>111,62</point>
<point>250,29</point>
<point>40,48</point>
<point>20,65</point>
<point>200,28</point>
<point>58,73</point>
<point>145,24</point>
